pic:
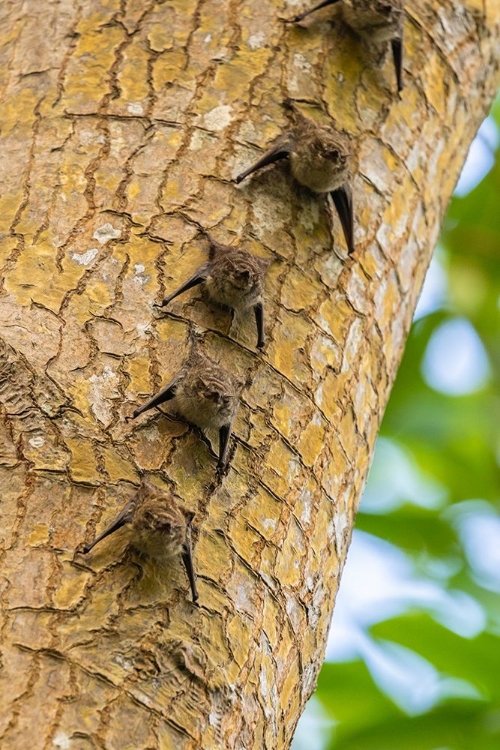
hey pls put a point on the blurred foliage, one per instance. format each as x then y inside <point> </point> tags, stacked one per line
<point>444,516</point>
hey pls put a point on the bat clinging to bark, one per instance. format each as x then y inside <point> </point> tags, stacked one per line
<point>234,278</point>
<point>160,529</point>
<point>319,159</point>
<point>377,21</point>
<point>204,394</point>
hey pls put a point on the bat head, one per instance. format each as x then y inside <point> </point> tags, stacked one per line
<point>209,396</point>
<point>212,392</point>
<point>159,514</point>
<point>240,268</point>
<point>333,151</point>
<point>321,158</point>
<point>243,271</point>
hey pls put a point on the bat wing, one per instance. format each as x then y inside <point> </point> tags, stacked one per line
<point>123,518</point>
<point>165,394</point>
<point>187,559</point>
<point>281,150</point>
<point>259,321</point>
<point>305,13</point>
<point>198,277</point>
<point>397,54</point>
<point>342,199</point>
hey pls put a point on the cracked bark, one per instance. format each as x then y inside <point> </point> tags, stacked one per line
<point>123,124</point>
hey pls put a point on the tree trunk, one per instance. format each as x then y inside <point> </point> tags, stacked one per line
<point>123,125</point>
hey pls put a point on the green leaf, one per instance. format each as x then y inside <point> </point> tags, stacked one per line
<point>349,695</point>
<point>413,529</point>
<point>458,725</point>
<point>476,660</point>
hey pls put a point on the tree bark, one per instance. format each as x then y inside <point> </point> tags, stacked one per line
<point>123,124</point>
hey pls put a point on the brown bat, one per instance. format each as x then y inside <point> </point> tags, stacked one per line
<point>320,160</point>
<point>233,278</point>
<point>205,394</point>
<point>377,21</point>
<point>160,529</point>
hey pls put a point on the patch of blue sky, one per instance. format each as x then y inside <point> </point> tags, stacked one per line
<point>455,361</point>
<point>478,526</point>
<point>395,479</point>
<point>481,157</point>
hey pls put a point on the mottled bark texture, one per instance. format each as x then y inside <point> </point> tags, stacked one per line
<point>123,124</point>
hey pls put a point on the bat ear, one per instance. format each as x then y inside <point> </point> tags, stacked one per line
<point>246,383</point>
<point>265,263</point>
<point>196,352</point>
<point>296,115</point>
<point>147,486</point>
<point>214,248</point>
<point>212,245</point>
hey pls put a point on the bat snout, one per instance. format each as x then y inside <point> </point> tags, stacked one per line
<point>332,154</point>
<point>213,396</point>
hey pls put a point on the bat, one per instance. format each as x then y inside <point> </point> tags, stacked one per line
<point>160,530</point>
<point>233,278</point>
<point>203,393</point>
<point>319,159</point>
<point>377,21</point>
